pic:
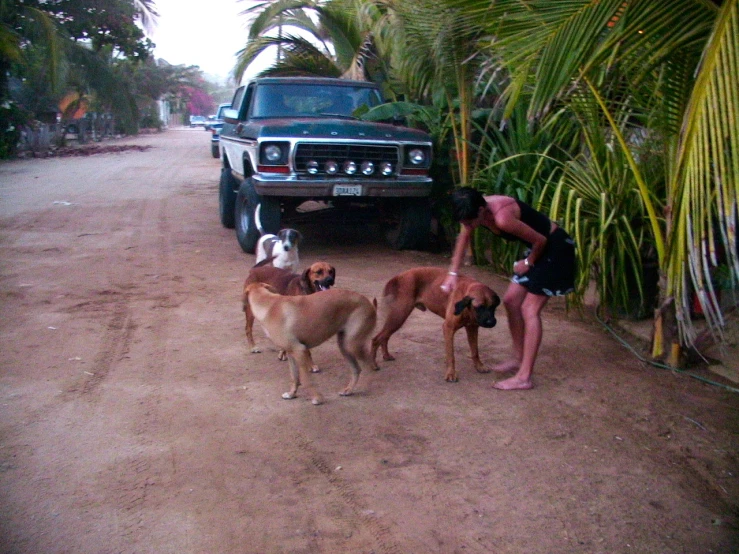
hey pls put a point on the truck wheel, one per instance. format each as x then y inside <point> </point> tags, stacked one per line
<point>227,198</point>
<point>214,150</point>
<point>247,201</point>
<point>415,225</point>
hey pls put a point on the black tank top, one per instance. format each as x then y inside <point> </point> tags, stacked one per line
<point>536,220</point>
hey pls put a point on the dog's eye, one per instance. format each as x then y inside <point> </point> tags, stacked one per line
<point>320,272</point>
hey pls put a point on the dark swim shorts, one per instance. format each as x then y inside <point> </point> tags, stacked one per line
<point>554,273</point>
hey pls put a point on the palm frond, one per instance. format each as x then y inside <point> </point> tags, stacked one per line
<point>705,182</point>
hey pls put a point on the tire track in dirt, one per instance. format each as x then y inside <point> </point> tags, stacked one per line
<point>115,344</point>
<point>120,327</point>
<point>137,474</point>
<point>360,515</point>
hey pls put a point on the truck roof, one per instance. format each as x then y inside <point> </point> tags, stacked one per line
<point>315,81</point>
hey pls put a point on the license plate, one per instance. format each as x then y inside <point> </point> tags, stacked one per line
<point>347,190</point>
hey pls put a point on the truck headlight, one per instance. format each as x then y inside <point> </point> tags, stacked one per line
<point>272,153</point>
<point>416,156</point>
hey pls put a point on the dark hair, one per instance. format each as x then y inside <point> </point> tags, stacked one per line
<point>466,203</point>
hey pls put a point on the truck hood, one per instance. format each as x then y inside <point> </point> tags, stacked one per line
<point>332,128</point>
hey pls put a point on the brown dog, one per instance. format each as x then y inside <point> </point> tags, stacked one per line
<point>319,276</point>
<point>298,323</point>
<point>471,305</point>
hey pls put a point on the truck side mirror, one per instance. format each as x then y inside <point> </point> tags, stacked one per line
<point>231,116</point>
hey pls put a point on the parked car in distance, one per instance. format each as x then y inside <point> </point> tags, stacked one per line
<point>216,118</point>
<point>197,121</point>
<point>288,140</point>
<point>215,129</point>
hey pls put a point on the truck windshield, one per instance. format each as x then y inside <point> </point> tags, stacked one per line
<point>311,100</point>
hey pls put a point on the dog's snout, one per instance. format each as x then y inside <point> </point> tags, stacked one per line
<point>488,323</point>
<point>486,317</point>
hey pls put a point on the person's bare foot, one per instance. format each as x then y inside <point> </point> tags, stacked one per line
<point>514,383</point>
<point>508,365</point>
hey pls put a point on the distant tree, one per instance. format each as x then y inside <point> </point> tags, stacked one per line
<point>103,23</point>
<point>50,48</point>
<point>200,102</point>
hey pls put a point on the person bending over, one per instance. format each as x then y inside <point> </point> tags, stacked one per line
<point>547,269</point>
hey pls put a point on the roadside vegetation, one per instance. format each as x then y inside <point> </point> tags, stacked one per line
<point>71,57</point>
<point>617,117</point>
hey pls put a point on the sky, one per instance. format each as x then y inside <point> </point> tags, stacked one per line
<point>207,33</point>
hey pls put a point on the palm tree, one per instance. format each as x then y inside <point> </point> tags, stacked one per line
<point>147,14</point>
<point>314,38</point>
<point>434,55</point>
<point>21,24</point>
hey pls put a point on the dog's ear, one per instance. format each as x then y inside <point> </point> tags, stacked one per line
<point>466,302</point>
<point>305,284</point>
<point>245,295</point>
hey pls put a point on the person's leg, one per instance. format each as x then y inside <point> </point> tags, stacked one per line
<point>530,311</point>
<point>513,300</point>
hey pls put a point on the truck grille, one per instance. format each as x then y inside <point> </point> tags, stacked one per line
<point>341,153</point>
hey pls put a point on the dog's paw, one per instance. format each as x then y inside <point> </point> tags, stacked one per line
<point>315,369</point>
<point>317,401</point>
<point>346,392</point>
<point>288,396</point>
<point>388,357</point>
<point>282,356</point>
<point>255,350</point>
<point>482,369</point>
<point>451,378</point>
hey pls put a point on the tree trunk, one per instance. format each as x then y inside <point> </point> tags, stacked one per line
<point>665,337</point>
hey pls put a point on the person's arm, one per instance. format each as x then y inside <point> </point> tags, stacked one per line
<point>511,224</point>
<point>463,241</point>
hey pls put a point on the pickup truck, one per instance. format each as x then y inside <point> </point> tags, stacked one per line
<point>287,140</point>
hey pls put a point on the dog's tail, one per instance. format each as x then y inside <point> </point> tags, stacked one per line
<point>265,261</point>
<point>258,220</point>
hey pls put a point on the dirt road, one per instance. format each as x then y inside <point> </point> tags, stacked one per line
<point>133,419</point>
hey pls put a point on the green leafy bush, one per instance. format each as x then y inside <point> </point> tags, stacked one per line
<point>12,119</point>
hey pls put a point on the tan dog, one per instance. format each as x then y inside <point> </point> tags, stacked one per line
<point>298,323</point>
<point>471,305</point>
<point>319,276</point>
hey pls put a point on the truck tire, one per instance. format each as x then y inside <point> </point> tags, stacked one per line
<point>247,201</point>
<point>415,225</point>
<point>227,198</point>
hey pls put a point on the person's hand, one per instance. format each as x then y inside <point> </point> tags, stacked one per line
<point>450,283</point>
<point>520,267</point>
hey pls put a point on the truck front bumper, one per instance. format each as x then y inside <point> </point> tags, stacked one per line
<point>399,187</point>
